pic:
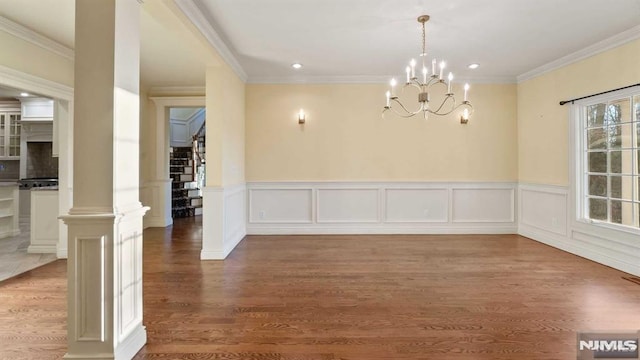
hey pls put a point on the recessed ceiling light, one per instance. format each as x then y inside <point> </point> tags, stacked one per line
<point>24,94</point>
<point>296,66</point>
<point>474,66</point>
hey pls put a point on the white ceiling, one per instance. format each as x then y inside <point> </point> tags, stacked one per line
<point>373,38</point>
<point>13,94</point>
<point>354,39</point>
<point>183,114</point>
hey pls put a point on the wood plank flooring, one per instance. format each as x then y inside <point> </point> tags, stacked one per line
<point>343,297</point>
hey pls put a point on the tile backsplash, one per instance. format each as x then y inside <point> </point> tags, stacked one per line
<point>40,162</point>
<point>9,169</point>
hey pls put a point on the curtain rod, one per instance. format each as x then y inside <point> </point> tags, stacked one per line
<point>592,95</point>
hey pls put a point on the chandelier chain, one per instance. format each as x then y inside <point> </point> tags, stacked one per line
<point>424,43</point>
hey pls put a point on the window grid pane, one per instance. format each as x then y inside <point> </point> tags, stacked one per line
<point>611,161</point>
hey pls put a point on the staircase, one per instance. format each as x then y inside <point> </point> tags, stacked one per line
<point>186,197</point>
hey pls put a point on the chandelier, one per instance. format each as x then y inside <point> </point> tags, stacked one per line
<point>424,86</point>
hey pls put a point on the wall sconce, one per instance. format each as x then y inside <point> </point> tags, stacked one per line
<point>301,117</point>
<point>465,116</point>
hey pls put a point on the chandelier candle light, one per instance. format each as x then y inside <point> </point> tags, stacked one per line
<point>424,85</point>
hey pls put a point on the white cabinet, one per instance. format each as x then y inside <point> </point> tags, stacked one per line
<point>37,109</point>
<point>9,209</point>
<point>10,135</point>
<point>44,221</point>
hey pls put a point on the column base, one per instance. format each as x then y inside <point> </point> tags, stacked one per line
<point>157,195</point>
<point>105,283</point>
<point>128,348</point>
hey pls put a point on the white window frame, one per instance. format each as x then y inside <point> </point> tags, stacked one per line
<point>579,165</point>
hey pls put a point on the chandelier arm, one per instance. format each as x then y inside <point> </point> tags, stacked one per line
<point>407,115</point>
<point>436,83</point>
<point>453,106</point>
<point>414,83</point>
<point>404,108</point>
<point>431,81</point>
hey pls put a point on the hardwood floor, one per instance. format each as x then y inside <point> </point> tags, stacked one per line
<point>343,297</point>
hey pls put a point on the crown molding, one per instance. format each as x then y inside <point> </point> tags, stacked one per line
<point>35,38</point>
<point>363,79</point>
<point>202,23</point>
<point>486,80</point>
<point>176,90</point>
<point>355,79</point>
<point>599,47</point>
<point>34,84</point>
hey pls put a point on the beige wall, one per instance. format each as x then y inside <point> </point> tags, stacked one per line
<point>225,139</point>
<point>147,116</point>
<point>26,57</point>
<point>543,125</point>
<point>345,138</point>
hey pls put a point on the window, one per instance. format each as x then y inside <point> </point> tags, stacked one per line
<point>610,155</point>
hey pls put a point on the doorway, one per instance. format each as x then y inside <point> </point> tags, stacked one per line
<point>187,160</point>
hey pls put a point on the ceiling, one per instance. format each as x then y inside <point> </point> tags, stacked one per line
<point>372,38</point>
<point>13,94</point>
<point>183,113</point>
<point>353,40</point>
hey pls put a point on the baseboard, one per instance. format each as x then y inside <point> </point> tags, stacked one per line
<point>158,222</point>
<point>546,215</point>
<point>132,344</point>
<point>564,244</point>
<point>234,241</point>
<point>62,253</point>
<point>382,230</point>
<point>224,222</point>
<point>42,249</point>
<point>126,350</point>
<point>228,248</point>
<point>212,255</point>
<point>9,233</point>
<point>89,357</point>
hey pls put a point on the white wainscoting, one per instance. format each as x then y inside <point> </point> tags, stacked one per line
<point>157,196</point>
<point>223,220</point>
<point>179,134</point>
<point>545,215</point>
<point>381,208</point>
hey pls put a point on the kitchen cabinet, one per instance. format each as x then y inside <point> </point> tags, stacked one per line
<point>37,109</point>
<point>10,135</point>
<point>44,220</point>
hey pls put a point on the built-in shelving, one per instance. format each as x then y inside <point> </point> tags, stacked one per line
<point>9,210</point>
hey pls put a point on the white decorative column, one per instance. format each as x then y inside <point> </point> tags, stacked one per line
<point>63,145</point>
<point>160,186</point>
<point>105,222</point>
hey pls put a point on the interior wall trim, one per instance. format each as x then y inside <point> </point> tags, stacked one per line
<point>23,81</point>
<point>381,208</point>
<point>161,91</point>
<point>591,50</point>
<point>204,24</point>
<point>544,215</point>
<point>35,38</point>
